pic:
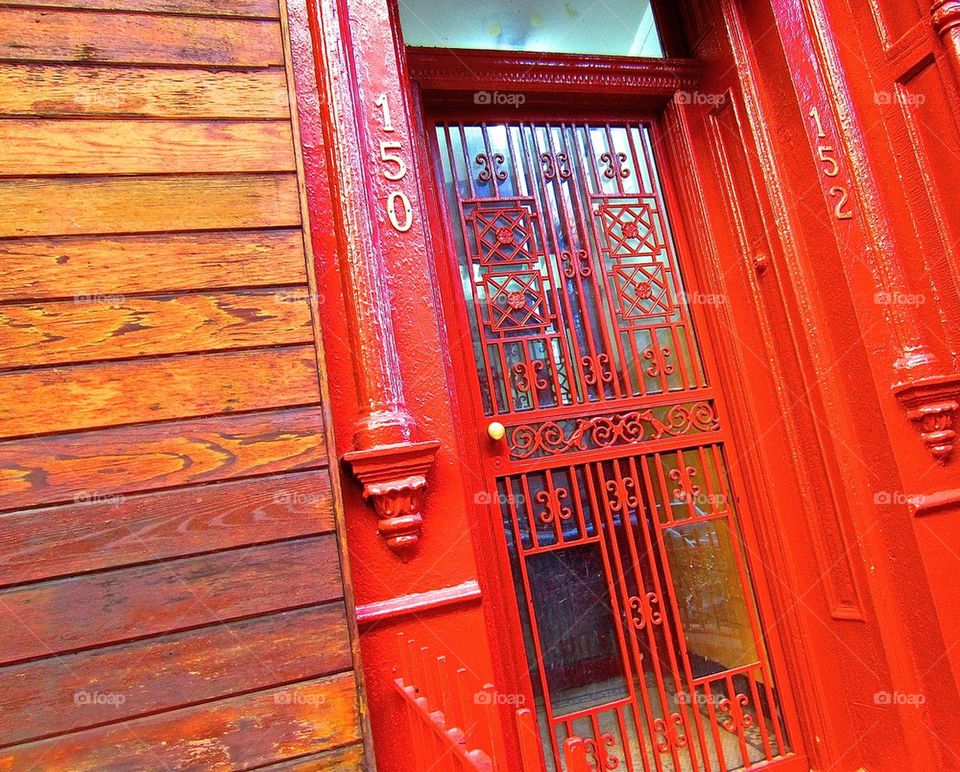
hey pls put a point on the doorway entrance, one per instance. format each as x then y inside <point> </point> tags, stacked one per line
<point>605,451</point>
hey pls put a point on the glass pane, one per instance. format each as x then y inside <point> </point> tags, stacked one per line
<point>576,627</point>
<point>607,27</point>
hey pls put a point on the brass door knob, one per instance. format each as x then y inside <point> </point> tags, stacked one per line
<point>496,431</point>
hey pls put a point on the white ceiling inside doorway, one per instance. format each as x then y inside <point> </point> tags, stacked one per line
<point>609,27</point>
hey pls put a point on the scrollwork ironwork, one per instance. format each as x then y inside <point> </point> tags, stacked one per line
<point>490,167</point>
<point>643,611</point>
<point>598,750</point>
<point>527,375</point>
<point>575,263</point>
<point>658,358</point>
<point>604,431</point>
<point>596,369</point>
<point>670,736</point>
<point>615,167</point>
<point>685,490</point>
<point>555,166</point>
<point>623,494</point>
<point>739,718</point>
<point>553,509</point>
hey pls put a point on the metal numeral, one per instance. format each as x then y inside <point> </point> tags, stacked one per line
<point>393,169</point>
<point>389,158</point>
<point>407,215</point>
<point>831,168</point>
<point>381,102</point>
<point>838,210</point>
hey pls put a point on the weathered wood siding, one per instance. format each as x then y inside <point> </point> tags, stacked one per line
<point>170,584</point>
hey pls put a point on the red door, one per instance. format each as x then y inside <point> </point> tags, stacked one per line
<point>620,561</point>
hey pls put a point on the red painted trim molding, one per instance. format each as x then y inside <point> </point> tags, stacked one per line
<point>418,602</point>
<point>445,69</point>
<point>935,503</point>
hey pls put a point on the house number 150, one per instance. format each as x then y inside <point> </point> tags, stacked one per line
<point>393,168</point>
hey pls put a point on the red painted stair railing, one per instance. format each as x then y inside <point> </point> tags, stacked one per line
<point>454,724</point>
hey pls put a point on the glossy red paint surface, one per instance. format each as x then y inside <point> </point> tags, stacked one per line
<point>857,519</point>
<point>446,557</point>
<point>598,450</point>
<point>857,285</point>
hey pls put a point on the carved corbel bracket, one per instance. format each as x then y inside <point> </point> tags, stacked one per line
<point>394,482</point>
<point>932,405</point>
<point>945,17</point>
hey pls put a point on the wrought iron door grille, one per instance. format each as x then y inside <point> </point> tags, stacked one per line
<point>640,623</point>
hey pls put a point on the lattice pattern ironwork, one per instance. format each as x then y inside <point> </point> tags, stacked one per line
<point>502,234</point>
<point>607,296</point>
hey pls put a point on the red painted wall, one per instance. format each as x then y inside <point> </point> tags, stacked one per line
<point>823,330</point>
<point>446,555</point>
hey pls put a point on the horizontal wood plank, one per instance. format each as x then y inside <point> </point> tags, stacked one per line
<point>108,394</point>
<point>75,691</point>
<point>30,35</point>
<point>71,90</point>
<point>169,541</point>
<point>78,266</point>
<point>45,146</point>
<point>267,9</point>
<point>237,733</point>
<point>112,606</point>
<point>98,532</point>
<point>50,207</point>
<point>348,757</point>
<point>47,470</point>
<point>113,327</point>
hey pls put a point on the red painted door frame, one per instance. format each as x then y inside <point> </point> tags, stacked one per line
<point>832,352</point>
<point>445,89</point>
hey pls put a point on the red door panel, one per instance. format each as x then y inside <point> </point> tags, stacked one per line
<point>611,496</point>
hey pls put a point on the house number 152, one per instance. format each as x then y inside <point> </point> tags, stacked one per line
<point>393,168</point>
<point>831,169</point>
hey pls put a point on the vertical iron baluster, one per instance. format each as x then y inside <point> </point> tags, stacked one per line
<point>639,674</point>
<point>474,298</point>
<point>531,612</point>
<point>582,211</point>
<point>715,726</point>
<point>603,278</point>
<point>758,712</point>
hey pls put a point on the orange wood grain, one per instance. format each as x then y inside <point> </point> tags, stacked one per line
<point>348,757</point>
<point>34,147</point>
<point>106,394</point>
<point>113,327</point>
<point>47,470</point>
<point>112,606</point>
<point>75,266</point>
<point>98,532</point>
<point>158,92</point>
<point>49,695</point>
<point>110,563</point>
<point>256,8</point>
<point>237,733</point>
<point>136,38</point>
<point>170,535</point>
<point>47,207</point>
